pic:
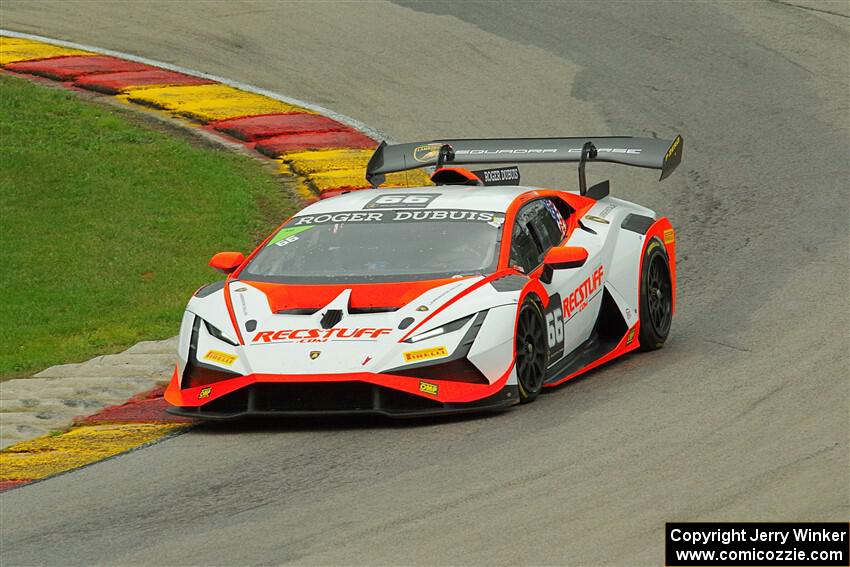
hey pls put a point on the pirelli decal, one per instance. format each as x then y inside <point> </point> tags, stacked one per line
<point>220,357</point>
<point>425,354</point>
<point>669,236</point>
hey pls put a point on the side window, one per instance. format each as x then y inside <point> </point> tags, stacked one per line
<point>550,224</point>
<point>538,227</point>
<point>524,251</point>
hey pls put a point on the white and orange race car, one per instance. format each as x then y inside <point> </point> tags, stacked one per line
<point>472,294</point>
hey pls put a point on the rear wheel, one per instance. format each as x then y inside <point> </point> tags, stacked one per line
<point>532,355</point>
<point>656,297</point>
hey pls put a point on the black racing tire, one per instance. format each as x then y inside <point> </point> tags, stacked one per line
<point>656,297</point>
<point>532,353</point>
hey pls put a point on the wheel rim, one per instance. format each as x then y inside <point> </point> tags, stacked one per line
<point>530,352</point>
<point>659,296</point>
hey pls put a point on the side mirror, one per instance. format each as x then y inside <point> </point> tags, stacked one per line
<point>562,258</point>
<point>227,261</point>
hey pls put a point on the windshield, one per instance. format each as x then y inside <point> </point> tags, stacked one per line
<point>375,246</point>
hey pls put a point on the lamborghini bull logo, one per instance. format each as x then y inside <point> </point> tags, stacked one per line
<point>314,354</point>
<point>319,336</point>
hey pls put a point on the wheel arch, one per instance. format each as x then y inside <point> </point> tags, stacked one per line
<point>661,231</point>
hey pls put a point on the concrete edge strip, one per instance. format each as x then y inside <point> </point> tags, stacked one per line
<point>347,120</point>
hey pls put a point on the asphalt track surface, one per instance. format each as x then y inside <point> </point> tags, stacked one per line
<point>742,416</point>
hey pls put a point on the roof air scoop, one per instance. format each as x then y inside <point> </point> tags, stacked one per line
<point>331,317</point>
<point>335,310</point>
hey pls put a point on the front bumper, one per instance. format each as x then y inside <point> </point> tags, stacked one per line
<point>336,394</point>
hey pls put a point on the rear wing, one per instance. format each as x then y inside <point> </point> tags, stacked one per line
<point>637,152</point>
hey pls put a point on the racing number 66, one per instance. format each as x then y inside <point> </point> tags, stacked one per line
<point>403,199</point>
<point>554,328</point>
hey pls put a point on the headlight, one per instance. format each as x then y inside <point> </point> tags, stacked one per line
<point>196,373</point>
<point>219,335</point>
<point>447,328</point>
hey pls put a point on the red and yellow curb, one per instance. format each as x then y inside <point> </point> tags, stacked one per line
<point>327,156</point>
<point>13,49</point>
<point>111,431</point>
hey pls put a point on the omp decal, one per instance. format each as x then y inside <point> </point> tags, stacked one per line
<point>630,338</point>
<point>221,357</point>
<point>425,354</point>
<point>429,388</point>
<point>577,300</point>
<point>595,219</point>
<point>319,335</point>
<point>427,152</point>
<point>205,393</point>
<point>399,216</point>
<point>402,201</point>
<point>286,235</point>
<point>669,236</point>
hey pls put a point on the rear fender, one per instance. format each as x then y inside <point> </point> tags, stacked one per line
<point>663,231</point>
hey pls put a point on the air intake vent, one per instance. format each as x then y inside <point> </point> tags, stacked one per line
<point>331,318</point>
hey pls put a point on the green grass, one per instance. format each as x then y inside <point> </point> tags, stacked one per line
<point>107,223</point>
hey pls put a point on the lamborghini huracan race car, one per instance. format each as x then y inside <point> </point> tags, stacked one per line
<point>471,294</point>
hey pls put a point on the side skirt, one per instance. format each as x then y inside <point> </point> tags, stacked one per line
<point>591,350</point>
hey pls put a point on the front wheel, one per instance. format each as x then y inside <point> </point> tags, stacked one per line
<point>532,355</point>
<point>656,297</point>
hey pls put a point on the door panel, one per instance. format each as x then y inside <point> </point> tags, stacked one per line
<point>574,294</point>
<point>575,297</point>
